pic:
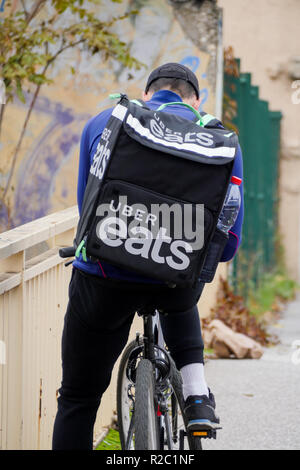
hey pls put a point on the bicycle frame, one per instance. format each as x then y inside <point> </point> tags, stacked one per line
<point>152,333</point>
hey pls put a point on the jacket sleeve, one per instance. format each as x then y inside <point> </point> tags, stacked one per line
<point>90,138</point>
<point>84,165</point>
<point>235,233</point>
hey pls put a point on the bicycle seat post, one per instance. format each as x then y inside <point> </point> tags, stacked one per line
<point>148,334</point>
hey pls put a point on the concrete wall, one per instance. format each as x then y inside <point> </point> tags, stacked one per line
<point>265,36</point>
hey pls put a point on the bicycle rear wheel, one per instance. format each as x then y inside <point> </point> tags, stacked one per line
<point>126,398</point>
<point>126,394</point>
<point>145,412</point>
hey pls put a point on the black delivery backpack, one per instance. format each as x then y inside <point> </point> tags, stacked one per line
<point>156,187</point>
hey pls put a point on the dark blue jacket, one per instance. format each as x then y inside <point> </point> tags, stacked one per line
<point>89,140</point>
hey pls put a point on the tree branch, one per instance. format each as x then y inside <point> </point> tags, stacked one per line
<point>2,109</point>
<point>34,11</point>
<point>24,9</point>
<point>64,48</point>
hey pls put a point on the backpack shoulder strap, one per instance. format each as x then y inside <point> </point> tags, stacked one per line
<point>140,103</point>
<point>123,97</point>
<point>210,121</point>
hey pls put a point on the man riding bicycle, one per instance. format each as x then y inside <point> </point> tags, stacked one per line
<point>103,298</point>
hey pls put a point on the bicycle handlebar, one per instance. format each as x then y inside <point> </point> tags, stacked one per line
<point>67,252</point>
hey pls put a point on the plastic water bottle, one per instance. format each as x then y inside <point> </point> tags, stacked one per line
<point>231,205</point>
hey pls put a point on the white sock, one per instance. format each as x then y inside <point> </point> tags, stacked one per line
<point>193,380</point>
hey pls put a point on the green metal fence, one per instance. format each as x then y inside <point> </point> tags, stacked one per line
<point>259,136</point>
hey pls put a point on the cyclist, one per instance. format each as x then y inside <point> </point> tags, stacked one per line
<point>103,299</point>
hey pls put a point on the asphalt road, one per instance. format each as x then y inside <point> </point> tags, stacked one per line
<point>258,401</point>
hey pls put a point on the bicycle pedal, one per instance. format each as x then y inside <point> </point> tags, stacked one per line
<point>206,434</point>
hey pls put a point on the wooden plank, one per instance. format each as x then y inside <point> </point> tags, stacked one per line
<point>9,281</point>
<point>42,263</point>
<point>28,235</point>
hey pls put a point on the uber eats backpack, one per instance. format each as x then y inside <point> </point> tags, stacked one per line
<point>155,189</point>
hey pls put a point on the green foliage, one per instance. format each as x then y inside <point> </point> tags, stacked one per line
<point>111,441</point>
<point>229,104</point>
<point>229,113</point>
<point>263,289</point>
<point>25,37</point>
<point>273,288</point>
<point>19,60</point>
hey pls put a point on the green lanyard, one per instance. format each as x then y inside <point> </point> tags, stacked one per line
<point>199,122</point>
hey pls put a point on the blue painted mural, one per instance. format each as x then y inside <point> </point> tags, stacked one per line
<point>2,4</point>
<point>52,149</point>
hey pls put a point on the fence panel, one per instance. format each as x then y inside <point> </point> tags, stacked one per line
<point>259,135</point>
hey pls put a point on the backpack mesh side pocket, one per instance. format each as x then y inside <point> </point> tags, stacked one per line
<point>214,253</point>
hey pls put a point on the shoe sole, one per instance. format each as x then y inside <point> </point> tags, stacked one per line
<point>202,425</point>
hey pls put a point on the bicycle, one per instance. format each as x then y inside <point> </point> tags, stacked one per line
<point>150,403</point>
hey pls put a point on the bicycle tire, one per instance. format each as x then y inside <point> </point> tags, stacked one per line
<point>124,407</point>
<point>145,412</point>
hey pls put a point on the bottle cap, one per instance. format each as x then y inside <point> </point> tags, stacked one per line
<point>236,180</point>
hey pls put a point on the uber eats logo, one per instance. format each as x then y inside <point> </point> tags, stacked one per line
<point>163,234</point>
<point>101,155</point>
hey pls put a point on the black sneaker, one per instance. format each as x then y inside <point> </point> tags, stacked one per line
<point>200,412</point>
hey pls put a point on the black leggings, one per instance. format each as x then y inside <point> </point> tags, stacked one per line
<point>96,329</point>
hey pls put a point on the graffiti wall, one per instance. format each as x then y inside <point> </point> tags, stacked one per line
<point>45,175</point>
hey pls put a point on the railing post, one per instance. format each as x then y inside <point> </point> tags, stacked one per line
<point>13,264</point>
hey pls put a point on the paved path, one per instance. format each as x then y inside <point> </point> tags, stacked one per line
<point>258,401</point>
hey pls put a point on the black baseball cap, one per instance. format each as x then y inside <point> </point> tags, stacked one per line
<point>173,70</point>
